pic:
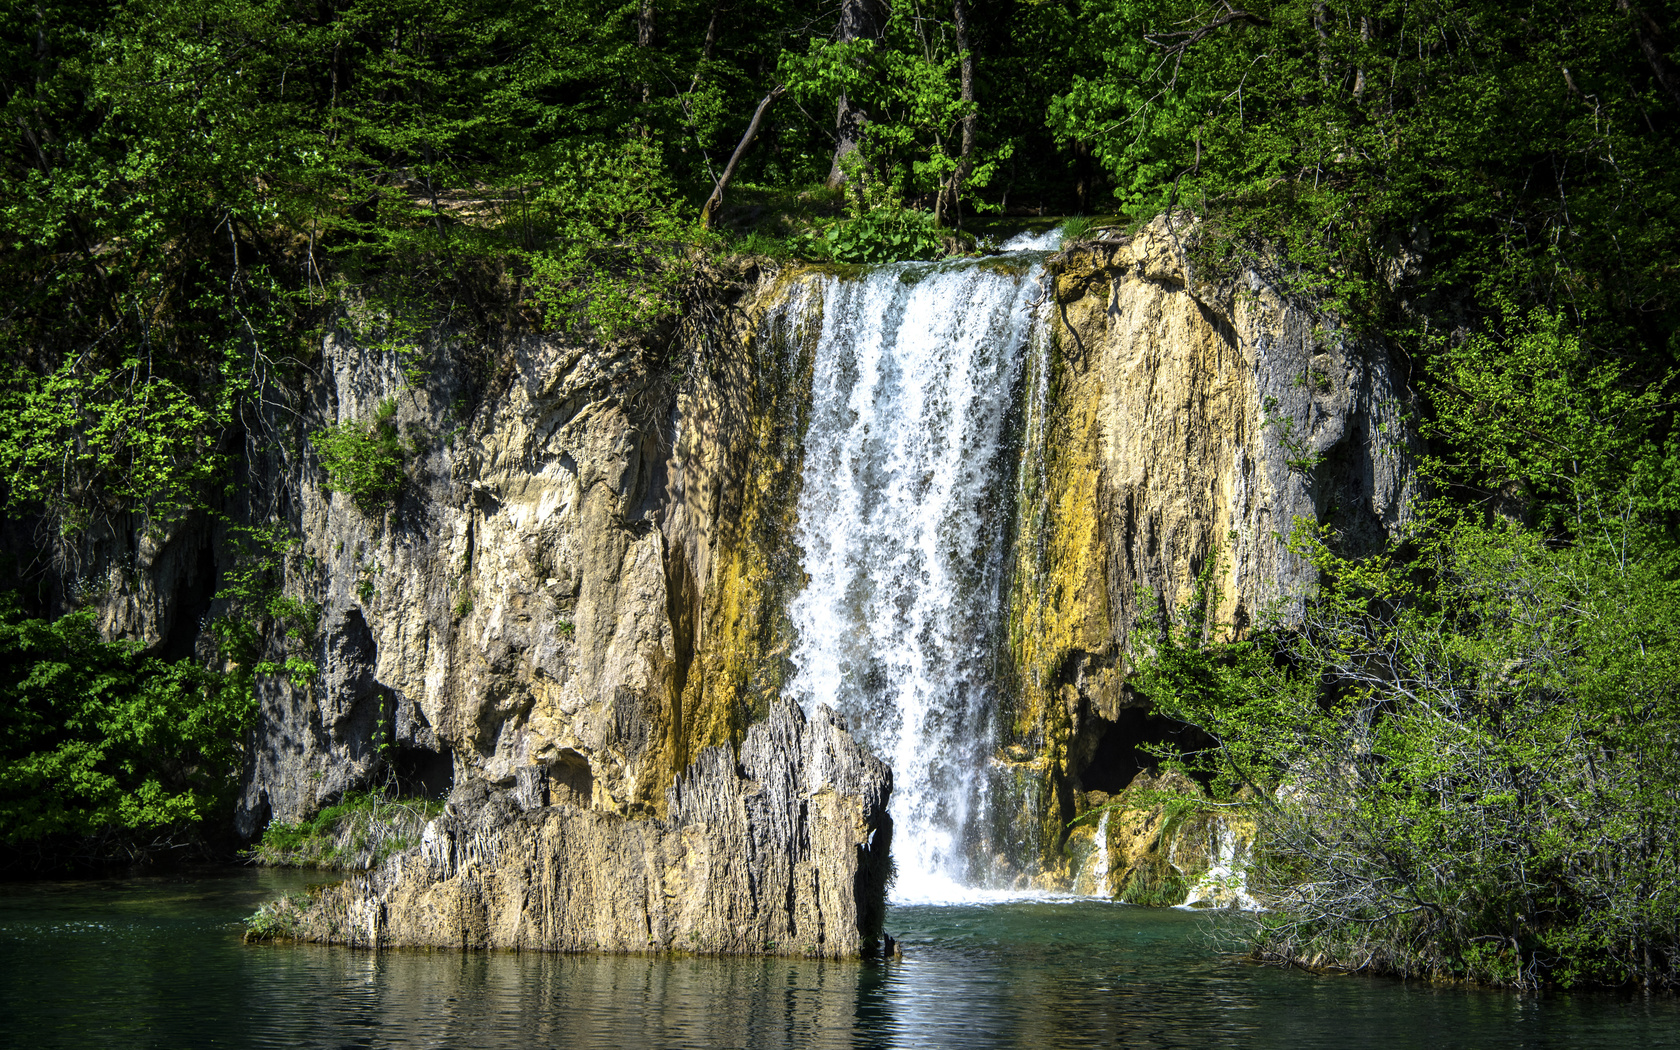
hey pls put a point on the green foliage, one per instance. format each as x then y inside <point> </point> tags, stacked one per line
<point>102,740</point>
<point>364,458</point>
<point>1397,156</point>
<point>1463,757</point>
<point>1536,419</point>
<point>135,431</point>
<point>1298,453</point>
<point>885,234</point>
<point>134,331</point>
<point>1461,746</point>
<point>620,238</point>
<point>277,919</point>
<point>908,84</point>
<point>1113,103</point>
<point>259,612</point>
<point>358,831</point>
<point>192,187</point>
<point>1079,228</point>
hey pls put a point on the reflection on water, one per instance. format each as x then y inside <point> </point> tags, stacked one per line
<point>158,963</point>
<point>506,1000</point>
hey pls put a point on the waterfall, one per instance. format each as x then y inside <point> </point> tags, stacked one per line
<point>1225,882</point>
<point>1099,871</point>
<point>902,521</point>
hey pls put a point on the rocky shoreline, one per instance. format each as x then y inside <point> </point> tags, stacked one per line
<point>784,851</point>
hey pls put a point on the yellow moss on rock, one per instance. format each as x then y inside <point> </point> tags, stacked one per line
<point>1059,593</point>
<point>748,443</point>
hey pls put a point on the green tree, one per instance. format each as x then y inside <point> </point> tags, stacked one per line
<point>1460,752</point>
<point>107,752</point>
<point>910,83</point>
<point>1413,166</point>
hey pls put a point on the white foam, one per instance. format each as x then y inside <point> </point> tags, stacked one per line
<point>1225,883</point>
<point>946,893</point>
<point>1028,241</point>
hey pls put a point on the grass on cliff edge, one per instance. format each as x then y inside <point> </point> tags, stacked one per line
<point>359,831</point>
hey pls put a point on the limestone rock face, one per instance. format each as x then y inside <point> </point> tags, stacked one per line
<point>580,593</point>
<point>535,598</point>
<point>581,571</point>
<point>785,852</point>
<point>1176,429</point>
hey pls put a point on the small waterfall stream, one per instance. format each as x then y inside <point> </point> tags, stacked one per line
<point>1099,850</point>
<point>903,513</point>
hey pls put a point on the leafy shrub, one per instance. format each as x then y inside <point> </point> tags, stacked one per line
<point>618,243</point>
<point>364,458</point>
<point>276,920</point>
<point>882,235</point>
<point>99,740</point>
<point>259,613</point>
<point>1461,747</point>
<point>357,832</point>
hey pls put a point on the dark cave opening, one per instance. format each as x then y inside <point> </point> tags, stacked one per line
<point>420,772</point>
<point>1132,743</point>
<point>194,592</point>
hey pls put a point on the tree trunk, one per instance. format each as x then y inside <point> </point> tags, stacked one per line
<point>1084,174</point>
<point>715,201</point>
<point>949,204</point>
<point>711,34</point>
<point>859,20</point>
<point>1359,73</point>
<point>644,38</point>
<point>1645,32</point>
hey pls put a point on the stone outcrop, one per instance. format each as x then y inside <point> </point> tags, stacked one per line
<point>785,852</point>
<point>1158,843</point>
<point>573,538</point>
<point>1179,428</point>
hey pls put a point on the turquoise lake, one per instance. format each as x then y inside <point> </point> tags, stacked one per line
<point>158,963</point>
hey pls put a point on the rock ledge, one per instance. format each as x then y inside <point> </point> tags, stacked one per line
<point>783,853</point>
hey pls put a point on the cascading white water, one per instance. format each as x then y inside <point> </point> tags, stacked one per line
<point>902,514</point>
<point>1099,847</point>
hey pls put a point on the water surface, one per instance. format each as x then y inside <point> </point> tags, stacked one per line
<point>158,963</point>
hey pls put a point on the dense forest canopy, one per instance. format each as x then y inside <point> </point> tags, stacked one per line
<point>194,192</point>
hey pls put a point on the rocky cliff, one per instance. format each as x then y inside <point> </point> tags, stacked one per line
<point>1177,427</point>
<point>578,585</point>
<point>583,581</point>
<point>785,852</point>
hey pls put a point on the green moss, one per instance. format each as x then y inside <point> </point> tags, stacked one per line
<point>748,638</point>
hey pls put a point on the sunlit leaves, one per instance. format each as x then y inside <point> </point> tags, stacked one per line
<point>98,738</point>
<point>615,236</point>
